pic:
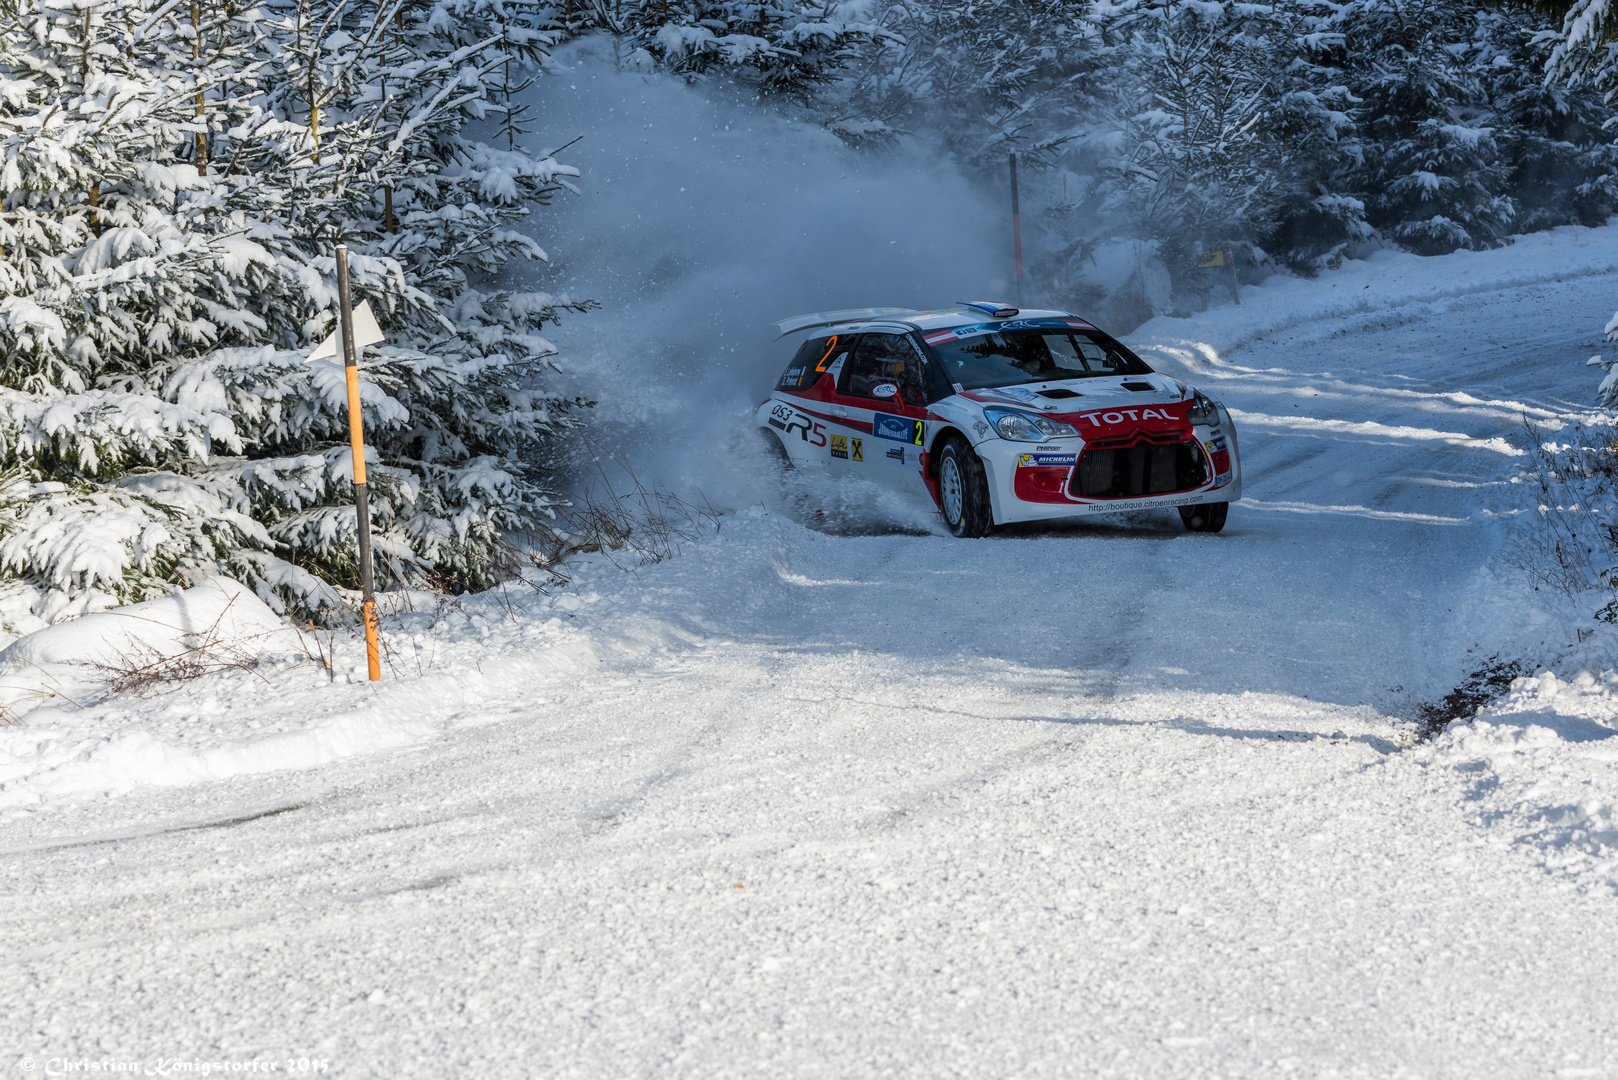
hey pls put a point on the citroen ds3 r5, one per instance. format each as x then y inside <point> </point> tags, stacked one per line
<point>998,415</point>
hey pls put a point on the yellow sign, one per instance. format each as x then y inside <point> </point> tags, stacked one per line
<point>1217,260</point>
<point>859,451</point>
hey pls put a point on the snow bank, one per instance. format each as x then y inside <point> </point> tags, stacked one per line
<point>1543,761</point>
<point>35,765</point>
<point>445,667</point>
<point>79,739</point>
<point>75,659</point>
<point>1389,287</point>
<point>72,743</point>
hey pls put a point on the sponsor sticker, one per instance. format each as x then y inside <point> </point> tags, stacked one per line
<point>1107,419</point>
<point>886,389</point>
<point>956,333</point>
<point>1045,460</point>
<point>1012,393</point>
<point>1141,503</point>
<point>858,450</point>
<point>839,446</point>
<point>787,420</point>
<point>897,454</point>
<point>897,428</point>
<point>1217,444</point>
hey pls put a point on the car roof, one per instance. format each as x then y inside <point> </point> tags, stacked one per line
<point>944,318</point>
<point>899,321</point>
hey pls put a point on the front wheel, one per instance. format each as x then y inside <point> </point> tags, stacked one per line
<point>963,491</point>
<point>1205,517</point>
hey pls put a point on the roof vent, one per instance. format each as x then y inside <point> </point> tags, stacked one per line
<point>998,311</point>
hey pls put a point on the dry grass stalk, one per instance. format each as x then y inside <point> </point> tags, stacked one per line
<point>145,669</point>
<point>1571,483</point>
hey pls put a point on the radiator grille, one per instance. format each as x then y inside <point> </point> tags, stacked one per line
<point>1147,467</point>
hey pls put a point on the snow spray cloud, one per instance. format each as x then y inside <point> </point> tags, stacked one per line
<point>701,221</point>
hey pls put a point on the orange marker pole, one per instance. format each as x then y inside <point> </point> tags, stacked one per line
<point>356,442</point>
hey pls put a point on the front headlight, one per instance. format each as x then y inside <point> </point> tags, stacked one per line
<point>1026,427</point>
<point>1204,410</point>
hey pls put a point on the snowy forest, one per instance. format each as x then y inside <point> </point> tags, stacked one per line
<point>177,173</point>
<point>783,659</point>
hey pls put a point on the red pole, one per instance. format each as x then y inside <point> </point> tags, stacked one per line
<point>1016,227</point>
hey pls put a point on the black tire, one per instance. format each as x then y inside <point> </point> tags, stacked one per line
<point>1205,517</point>
<point>775,455</point>
<point>963,491</point>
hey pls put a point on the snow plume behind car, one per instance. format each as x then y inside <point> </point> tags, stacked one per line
<point>700,221</point>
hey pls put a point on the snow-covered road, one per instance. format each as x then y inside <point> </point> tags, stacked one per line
<point>1067,801</point>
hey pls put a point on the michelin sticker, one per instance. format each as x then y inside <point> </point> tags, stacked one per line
<point>1045,460</point>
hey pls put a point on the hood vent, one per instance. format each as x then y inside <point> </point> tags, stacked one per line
<point>1059,392</point>
<point>1139,386</point>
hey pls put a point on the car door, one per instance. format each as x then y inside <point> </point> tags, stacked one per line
<point>881,392</point>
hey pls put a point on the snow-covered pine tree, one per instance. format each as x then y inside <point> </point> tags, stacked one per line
<point>172,191</point>
<point>1225,126</point>
<point>1317,215</point>
<point>1433,176</point>
<point>1586,53</point>
<point>984,80</point>
<point>1559,145</point>
<point>110,265</point>
<point>386,93</point>
<point>1586,48</point>
<point>785,50</point>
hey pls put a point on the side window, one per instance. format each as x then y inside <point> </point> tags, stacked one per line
<point>884,367</point>
<point>813,359</point>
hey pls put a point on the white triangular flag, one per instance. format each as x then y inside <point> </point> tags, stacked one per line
<point>366,332</point>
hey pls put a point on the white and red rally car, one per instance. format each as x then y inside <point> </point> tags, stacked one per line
<point>999,415</point>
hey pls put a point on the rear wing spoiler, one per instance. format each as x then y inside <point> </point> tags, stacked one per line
<point>832,318</point>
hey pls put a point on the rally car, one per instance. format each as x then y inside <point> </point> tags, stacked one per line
<point>999,415</point>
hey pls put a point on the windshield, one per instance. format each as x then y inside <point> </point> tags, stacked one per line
<point>1031,354</point>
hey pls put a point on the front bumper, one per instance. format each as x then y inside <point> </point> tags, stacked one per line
<point>1036,483</point>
